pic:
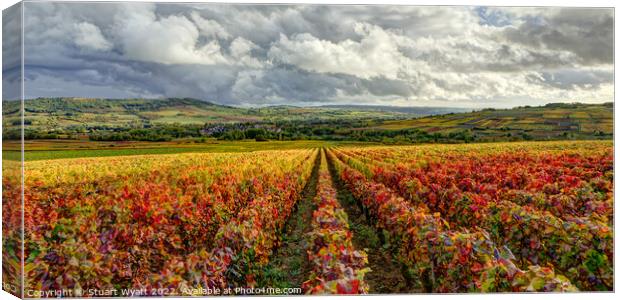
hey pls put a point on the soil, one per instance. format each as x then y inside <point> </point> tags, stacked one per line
<point>289,266</point>
<point>386,276</point>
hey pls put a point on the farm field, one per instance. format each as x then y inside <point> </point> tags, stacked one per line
<point>319,218</point>
<point>60,149</point>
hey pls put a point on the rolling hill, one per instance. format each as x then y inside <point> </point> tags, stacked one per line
<point>411,110</point>
<point>553,120</point>
<point>150,119</point>
<point>54,113</point>
<point>46,113</point>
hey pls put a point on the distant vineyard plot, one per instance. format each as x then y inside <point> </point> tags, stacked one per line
<point>546,122</point>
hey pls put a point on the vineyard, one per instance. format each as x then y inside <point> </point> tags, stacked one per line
<point>510,217</point>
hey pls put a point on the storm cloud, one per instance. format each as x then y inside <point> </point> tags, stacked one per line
<point>253,55</point>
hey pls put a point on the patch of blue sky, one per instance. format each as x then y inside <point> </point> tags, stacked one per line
<point>493,17</point>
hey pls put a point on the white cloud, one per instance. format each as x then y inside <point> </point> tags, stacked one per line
<point>241,53</point>
<point>175,39</point>
<point>168,40</point>
<point>376,54</point>
<point>89,36</point>
<point>209,28</point>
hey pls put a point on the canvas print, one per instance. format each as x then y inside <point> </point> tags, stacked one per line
<point>201,149</point>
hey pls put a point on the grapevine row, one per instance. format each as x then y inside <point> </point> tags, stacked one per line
<point>243,245</point>
<point>337,266</point>
<point>579,247</point>
<point>121,233</point>
<point>445,260</point>
<point>565,183</point>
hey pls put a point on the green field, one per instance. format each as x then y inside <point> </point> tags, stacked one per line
<point>44,150</point>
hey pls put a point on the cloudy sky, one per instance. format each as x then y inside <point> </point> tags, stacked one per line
<point>253,55</point>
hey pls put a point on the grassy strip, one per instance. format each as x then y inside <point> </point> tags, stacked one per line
<point>95,149</point>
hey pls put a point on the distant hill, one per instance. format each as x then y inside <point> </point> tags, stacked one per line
<point>64,112</point>
<point>59,117</point>
<point>412,110</point>
<point>54,113</point>
<point>551,121</point>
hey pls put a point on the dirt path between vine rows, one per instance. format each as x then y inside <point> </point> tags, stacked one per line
<point>289,266</point>
<point>386,276</point>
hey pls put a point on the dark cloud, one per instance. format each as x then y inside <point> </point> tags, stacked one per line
<point>11,54</point>
<point>311,54</point>
<point>387,87</point>
<point>586,32</point>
